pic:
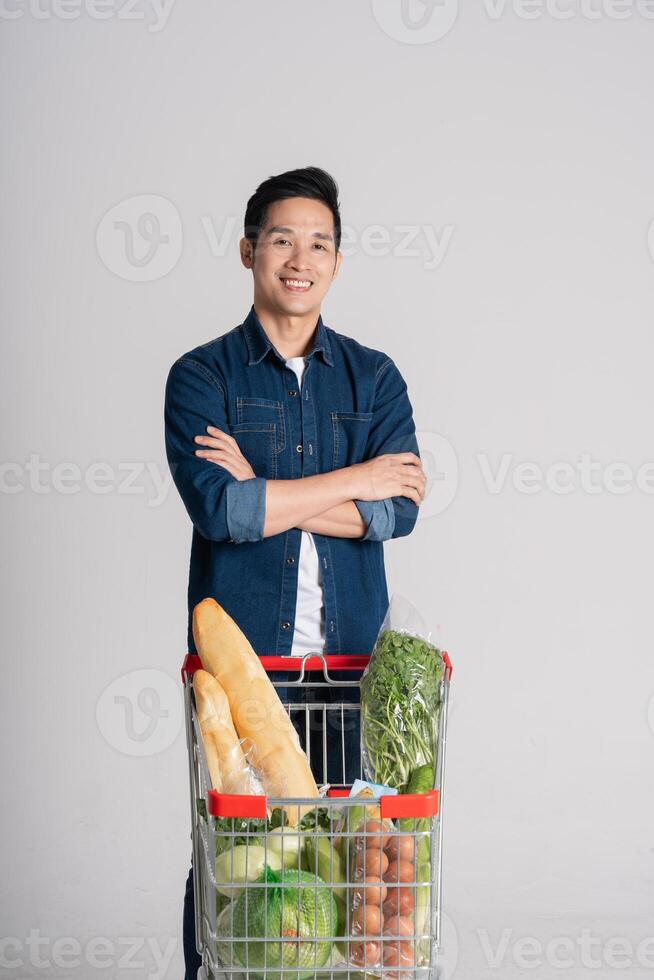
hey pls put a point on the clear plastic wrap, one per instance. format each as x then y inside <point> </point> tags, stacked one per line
<point>243,774</point>
<point>401,692</point>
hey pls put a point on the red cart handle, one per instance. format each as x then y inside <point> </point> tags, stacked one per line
<point>336,662</point>
<point>413,805</point>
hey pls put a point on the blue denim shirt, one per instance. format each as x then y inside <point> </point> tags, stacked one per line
<point>353,406</point>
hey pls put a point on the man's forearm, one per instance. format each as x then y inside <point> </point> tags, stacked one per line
<point>342,521</point>
<point>289,503</point>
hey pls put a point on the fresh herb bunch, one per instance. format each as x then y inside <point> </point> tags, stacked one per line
<point>400,705</point>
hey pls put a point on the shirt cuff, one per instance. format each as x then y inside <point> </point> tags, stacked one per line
<point>246,509</point>
<point>379,515</point>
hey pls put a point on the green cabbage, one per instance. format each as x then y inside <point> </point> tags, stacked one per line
<point>292,911</point>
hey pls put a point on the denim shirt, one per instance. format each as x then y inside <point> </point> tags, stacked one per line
<point>353,405</point>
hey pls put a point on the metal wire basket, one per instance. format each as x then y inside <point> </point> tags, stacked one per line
<point>342,887</point>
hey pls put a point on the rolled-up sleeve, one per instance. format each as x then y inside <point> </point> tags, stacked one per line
<point>221,507</point>
<point>379,516</point>
<point>246,509</point>
<point>392,431</point>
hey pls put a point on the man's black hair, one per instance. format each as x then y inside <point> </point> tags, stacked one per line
<point>310,182</point>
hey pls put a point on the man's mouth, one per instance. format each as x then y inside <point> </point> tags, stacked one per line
<point>296,285</point>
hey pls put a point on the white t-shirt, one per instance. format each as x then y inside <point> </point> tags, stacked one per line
<point>309,632</point>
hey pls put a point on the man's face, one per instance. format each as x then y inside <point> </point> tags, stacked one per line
<point>295,248</point>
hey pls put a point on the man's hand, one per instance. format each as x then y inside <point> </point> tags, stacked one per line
<point>390,475</point>
<point>224,451</point>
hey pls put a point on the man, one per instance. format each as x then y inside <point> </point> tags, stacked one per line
<point>293,448</point>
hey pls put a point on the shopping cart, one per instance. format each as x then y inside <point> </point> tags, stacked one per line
<point>319,898</point>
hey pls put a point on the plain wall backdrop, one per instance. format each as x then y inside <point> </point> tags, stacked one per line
<point>495,165</point>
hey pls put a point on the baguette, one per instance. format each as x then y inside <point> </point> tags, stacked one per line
<point>226,761</point>
<point>257,712</point>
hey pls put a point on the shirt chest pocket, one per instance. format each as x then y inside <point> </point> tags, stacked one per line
<point>260,432</point>
<point>350,432</point>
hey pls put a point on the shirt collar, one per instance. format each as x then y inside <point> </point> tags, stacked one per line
<point>259,343</point>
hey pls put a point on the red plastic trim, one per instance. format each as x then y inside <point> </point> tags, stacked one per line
<point>410,804</point>
<point>191,663</point>
<point>338,792</point>
<point>448,664</point>
<point>337,662</point>
<point>233,805</point>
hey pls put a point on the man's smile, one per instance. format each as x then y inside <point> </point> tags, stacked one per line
<point>296,285</point>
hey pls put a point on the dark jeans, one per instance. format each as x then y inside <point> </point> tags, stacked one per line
<point>192,958</point>
<point>338,741</point>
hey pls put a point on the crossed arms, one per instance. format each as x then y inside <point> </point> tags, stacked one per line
<point>373,500</point>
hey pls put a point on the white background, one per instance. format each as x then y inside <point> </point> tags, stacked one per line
<point>524,141</point>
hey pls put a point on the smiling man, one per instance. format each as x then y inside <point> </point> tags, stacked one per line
<point>293,448</point>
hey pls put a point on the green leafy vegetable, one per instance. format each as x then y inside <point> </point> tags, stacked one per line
<point>400,706</point>
<point>292,912</point>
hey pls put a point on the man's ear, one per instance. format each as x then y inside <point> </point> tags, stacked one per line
<point>247,252</point>
<point>339,259</point>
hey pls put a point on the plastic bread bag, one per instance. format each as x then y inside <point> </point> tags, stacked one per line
<point>256,710</point>
<point>401,693</point>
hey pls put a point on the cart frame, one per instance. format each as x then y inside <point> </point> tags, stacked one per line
<point>313,672</point>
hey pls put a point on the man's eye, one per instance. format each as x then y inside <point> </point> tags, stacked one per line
<point>280,240</point>
<point>321,246</point>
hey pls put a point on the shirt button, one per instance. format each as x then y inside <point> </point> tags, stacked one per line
<point>290,561</point>
<point>299,448</point>
<point>285,624</point>
<point>292,391</point>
